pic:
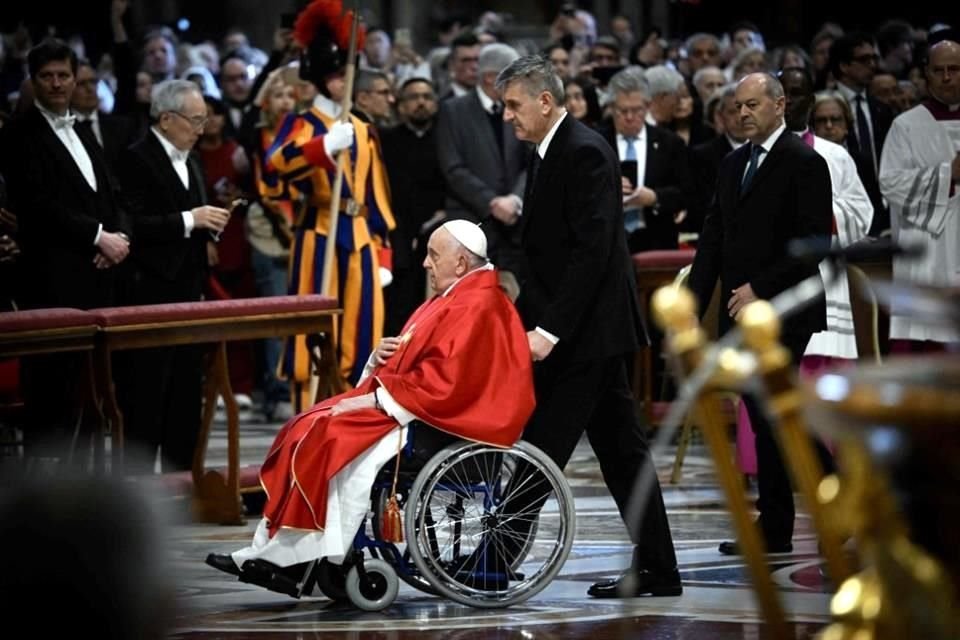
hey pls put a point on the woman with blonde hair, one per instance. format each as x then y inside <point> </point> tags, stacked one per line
<point>271,216</point>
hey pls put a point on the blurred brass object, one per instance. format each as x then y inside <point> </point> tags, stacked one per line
<point>899,423</point>
<point>675,310</point>
<point>761,333</point>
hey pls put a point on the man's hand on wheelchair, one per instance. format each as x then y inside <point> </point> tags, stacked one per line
<point>355,403</point>
<point>386,348</point>
<point>540,347</point>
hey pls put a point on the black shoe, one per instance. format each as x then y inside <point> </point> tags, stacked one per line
<point>642,582</point>
<point>733,549</point>
<point>224,562</point>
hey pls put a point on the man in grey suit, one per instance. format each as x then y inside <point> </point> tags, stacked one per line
<point>484,165</point>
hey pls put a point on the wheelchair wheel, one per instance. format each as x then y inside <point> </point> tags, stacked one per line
<point>373,589</point>
<point>490,527</point>
<point>414,579</point>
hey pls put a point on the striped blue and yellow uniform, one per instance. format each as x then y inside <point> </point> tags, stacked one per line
<point>365,219</point>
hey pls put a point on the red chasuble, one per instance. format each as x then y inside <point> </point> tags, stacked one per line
<point>463,366</point>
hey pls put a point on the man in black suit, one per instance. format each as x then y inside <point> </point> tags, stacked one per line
<point>172,226</point>
<point>853,61</point>
<point>768,193</point>
<point>484,165</point>
<point>580,308</point>
<point>657,189</point>
<point>72,231</point>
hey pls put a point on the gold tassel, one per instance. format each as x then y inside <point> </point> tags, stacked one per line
<point>391,529</point>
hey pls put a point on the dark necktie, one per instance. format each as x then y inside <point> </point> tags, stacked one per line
<point>755,152</point>
<point>84,125</point>
<point>496,122</point>
<point>532,168</point>
<point>863,133</point>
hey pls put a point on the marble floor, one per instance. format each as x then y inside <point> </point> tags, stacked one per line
<point>717,602</point>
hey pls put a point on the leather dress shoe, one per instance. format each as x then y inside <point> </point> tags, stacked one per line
<point>733,549</point>
<point>641,582</point>
<point>224,562</point>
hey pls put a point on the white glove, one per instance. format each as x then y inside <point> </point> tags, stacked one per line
<point>339,137</point>
<point>386,277</point>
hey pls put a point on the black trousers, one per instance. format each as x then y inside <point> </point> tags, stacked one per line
<point>594,396</point>
<point>774,488</point>
<point>160,390</point>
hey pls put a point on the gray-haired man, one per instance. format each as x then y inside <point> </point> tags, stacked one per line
<point>172,226</point>
<point>483,164</point>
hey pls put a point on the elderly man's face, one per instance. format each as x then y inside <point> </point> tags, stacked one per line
<point>444,262</point>
<point>529,114</point>
<point>629,111</point>
<point>182,128</point>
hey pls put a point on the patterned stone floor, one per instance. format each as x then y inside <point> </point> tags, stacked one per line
<point>717,601</point>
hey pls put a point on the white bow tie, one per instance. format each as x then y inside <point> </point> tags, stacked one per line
<point>179,156</point>
<point>64,122</point>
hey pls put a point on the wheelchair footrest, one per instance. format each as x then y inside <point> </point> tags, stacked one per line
<point>291,581</point>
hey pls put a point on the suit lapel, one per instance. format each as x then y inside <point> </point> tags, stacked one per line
<point>483,117</point>
<point>166,173</point>
<point>57,148</point>
<point>537,187</point>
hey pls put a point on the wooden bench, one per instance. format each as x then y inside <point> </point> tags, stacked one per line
<point>46,331</point>
<point>215,498</point>
<point>653,270</point>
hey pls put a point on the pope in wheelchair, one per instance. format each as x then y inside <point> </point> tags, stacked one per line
<point>462,366</point>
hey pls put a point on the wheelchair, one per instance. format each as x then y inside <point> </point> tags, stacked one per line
<point>483,526</point>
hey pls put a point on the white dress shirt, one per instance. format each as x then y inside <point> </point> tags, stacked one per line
<point>63,128</point>
<point>178,159</point>
<point>542,151</point>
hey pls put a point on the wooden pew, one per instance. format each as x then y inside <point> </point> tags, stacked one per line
<point>215,498</point>
<point>653,269</point>
<point>55,330</point>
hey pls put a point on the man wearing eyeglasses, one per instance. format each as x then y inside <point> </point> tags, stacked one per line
<point>373,98</point>
<point>172,225</point>
<point>853,62</point>
<point>72,233</point>
<point>657,188</point>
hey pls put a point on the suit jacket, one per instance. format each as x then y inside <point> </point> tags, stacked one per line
<point>746,235</point>
<point>580,285</point>
<point>882,118</point>
<point>59,214</point>
<point>476,172</point>
<point>156,198</point>
<point>118,133</point>
<point>704,163</point>
<point>667,172</point>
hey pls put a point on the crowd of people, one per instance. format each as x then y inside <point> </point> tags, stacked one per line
<point>174,171</point>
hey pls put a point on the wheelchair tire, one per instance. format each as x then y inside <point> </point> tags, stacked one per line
<point>468,542</point>
<point>376,589</point>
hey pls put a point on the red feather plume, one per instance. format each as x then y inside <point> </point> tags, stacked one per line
<point>327,13</point>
